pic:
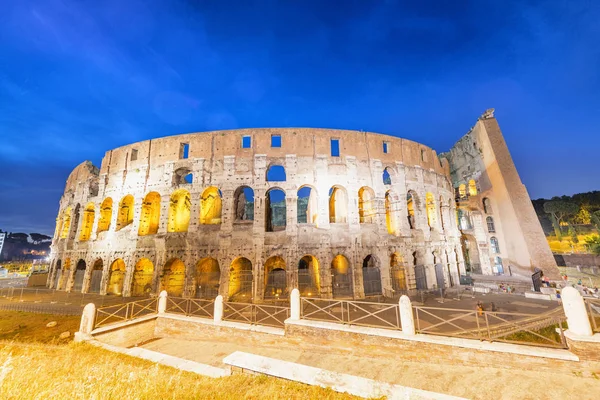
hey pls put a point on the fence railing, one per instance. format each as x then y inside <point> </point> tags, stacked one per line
<point>546,330</point>
<point>123,312</point>
<point>256,314</point>
<point>593,309</point>
<point>191,307</point>
<point>379,315</point>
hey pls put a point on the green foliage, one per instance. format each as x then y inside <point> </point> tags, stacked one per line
<point>595,218</point>
<point>573,234</point>
<point>583,217</point>
<point>593,244</point>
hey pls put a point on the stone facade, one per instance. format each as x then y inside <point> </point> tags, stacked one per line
<point>358,214</point>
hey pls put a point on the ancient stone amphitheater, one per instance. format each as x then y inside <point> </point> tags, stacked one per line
<point>252,213</point>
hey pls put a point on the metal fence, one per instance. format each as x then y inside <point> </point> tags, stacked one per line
<point>593,308</point>
<point>379,315</point>
<point>124,312</point>
<point>191,307</point>
<point>256,314</point>
<point>544,330</point>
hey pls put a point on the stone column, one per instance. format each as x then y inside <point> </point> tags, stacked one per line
<point>295,305</point>
<point>86,326</point>
<point>162,302</point>
<point>407,320</point>
<point>218,311</point>
<point>574,306</point>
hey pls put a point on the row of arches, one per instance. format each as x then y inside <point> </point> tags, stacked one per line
<point>180,210</point>
<point>205,279</point>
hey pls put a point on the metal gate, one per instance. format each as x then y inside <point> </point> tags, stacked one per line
<point>420,277</point>
<point>439,276</point>
<point>371,281</point>
<point>399,279</point>
<point>78,281</point>
<point>244,291</point>
<point>306,283</point>
<point>207,285</point>
<point>341,284</point>
<point>276,286</point>
<point>95,281</point>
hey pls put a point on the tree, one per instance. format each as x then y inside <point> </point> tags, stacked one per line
<point>573,235</point>
<point>559,210</point>
<point>593,244</point>
<point>595,218</point>
<point>583,217</point>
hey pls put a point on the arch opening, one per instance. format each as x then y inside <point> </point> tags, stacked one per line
<point>96,277</point>
<point>472,188</point>
<point>66,225</point>
<point>244,204</point>
<point>366,205</point>
<point>116,278</point>
<point>89,214</point>
<point>276,173</point>
<point>150,216</point>
<point>211,206</point>
<point>341,277</point>
<point>57,274</point>
<point>338,205</point>
<point>470,254</point>
<point>431,210</point>
<point>141,284</point>
<point>179,211</point>
<point>371,276</point>
<point>487,206</point>
<point>125,216</point>
<point>105,215</point>
<point>275,278</point>
<point>79,276</point>
<point>410,206</point>
<point>173,277</point>
<point>308,206</point>
<point>240,280</point>
<point>390,214</point>
<point>275,210</point>
<point>208,278</point>
<point>309,279</point>
<point>398,273</point>
<point>387,179</point>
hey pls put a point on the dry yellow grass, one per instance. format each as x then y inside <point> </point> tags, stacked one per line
<point>49,370</point>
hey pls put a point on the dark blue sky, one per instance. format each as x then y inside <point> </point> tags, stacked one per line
<point>78,78</point>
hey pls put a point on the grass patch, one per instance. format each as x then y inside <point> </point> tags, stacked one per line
<point>35,364</point>
<point>548,332</point>
<point>31,327</point>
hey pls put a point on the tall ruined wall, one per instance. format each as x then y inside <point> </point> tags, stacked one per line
<point>218,159</point>
<point>482,157</point>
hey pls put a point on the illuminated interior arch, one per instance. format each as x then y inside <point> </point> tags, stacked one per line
<point>210,206</point>
<point>173,277</point>
<point>240,280</point>
<point>308,205</point>
<point>150,216</point>
<point>398,272</point>
<point>142,278</point>
<point>341,277</point>
<point>105,215</point>
<point>179,211</point>
<point>366,205</point>
<point>472,188</point>
<point>338,205</point>
<point>125,216</point>
<point>116,278</point>
<point>309,278</point>
<point>208,278</point>
<point>390,214</point>
<point>66,225</point>
<point>275,277</point>
<point>431,210</point>
<point>462,190</point>
<point>88,222</point>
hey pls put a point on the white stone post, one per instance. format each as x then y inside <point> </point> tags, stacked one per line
<point>88,318</point>
<point>574,307</point>
<point>218,311</point>
<point>407,320</point>
<point>295,305</point>
<point>162,302</point>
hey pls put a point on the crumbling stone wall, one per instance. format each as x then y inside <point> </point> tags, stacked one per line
<point>218,159</point>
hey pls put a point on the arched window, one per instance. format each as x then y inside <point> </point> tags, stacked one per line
<point>66,225</point>
<point>105,215</point>
<point>308,206</point>
<point>210,206</point>
<point>240,280</point>
<point>410,207</point>
<point>150,216</point>
<point>490,225</point>
<point>387,179</point>
<point>431,210</point>
<point>179,211</point>
<point>141,284</point>
<point>309,279</point>
<point>443,214</point>
<point>116,278</point>
<point>173,277</point>
<point>472,188</point>
<point>498,267</point>
<point>390,214</point>
<point>276,173</point>
<point>275,211</point>
<point>88,222</point>
<point>244,204</point>
<point>338,205</point>
<point>487,207</point>
<point>398,273</point>
<point>494,245</point>
<point>366,205</point>
<point>464,219</point>
<point>125,216</point>
<point>208,278</point>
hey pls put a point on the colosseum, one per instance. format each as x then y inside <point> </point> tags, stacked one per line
<point>252,213</point>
